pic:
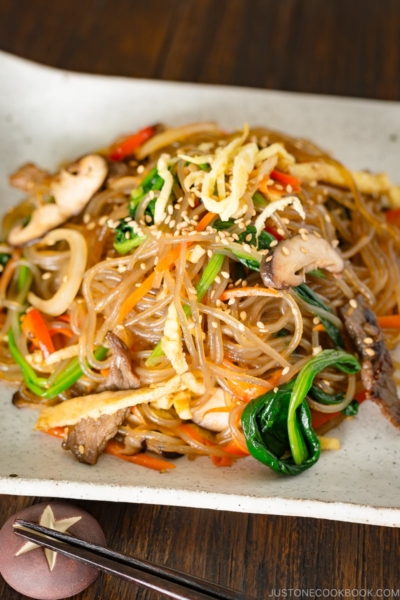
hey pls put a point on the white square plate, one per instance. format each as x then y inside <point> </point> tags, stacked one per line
<point>48,116</point>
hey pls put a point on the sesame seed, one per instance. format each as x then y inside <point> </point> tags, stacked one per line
<point>370,352</point>
<point>45,276</point>
<point>285,251</point>
<point>327,218</point>
<point>238,282</point>
<point>225,242</point>
<point>91,225</point>
<point>192,290</point>
<point>276,389</point>
<point>243,315</point>
<point>121,269</point>
<point>127,235</point>
<point>316,320</point>
<point>249,237</point>
<point>172,224</point>
<point>167,219</point>
<point>214,324</point>
<point>335,243</point>
<point>368,340</point>
<point>218,303</point>
<point>303,250</point>
<point>143,266</point>
<point>140,169</point>
<point>231,301</point>
<point>246,247</point>
<point>235,236</point>
<point>65,278</point>
<point>209,253</point>
<point>304,237</point>
<point>170,210</point>
<point>81,449</point>
<point>225,275</point>
<point>280,231</point>
<point>157,258</point>
<point>242,226</point>
<point>303,230</point>
<point>289,189</point>
<point>152,195</point>
<point>260,324</point>
<point>196,218</point>
<point>273,244</point>
<point>241,327</point>
<point>148,218</point>
<point>269,258</point>
<point>353,303</point>
<point>86,219</point>
<point>218,279</point>
<point>102,221</point>
<point>212,294</point>
<point>285,370</point>
<point>317,234</point>
<point>278,186</point>
<point>159,234</point>
<point>244,283</point>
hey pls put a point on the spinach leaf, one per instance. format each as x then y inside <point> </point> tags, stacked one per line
<point>323,398</point>
<point>311,298</point>
<point>278,423</point>
<point>4,258</point>
<point>264,422</point>
<point>126,238</point>
<point>351,409</point>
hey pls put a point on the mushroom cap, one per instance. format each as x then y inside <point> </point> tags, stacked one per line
<point>280,270</point>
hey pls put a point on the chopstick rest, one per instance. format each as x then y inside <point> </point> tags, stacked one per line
<point>44,574</point>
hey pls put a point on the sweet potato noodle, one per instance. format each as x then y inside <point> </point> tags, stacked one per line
<point>189,291</point>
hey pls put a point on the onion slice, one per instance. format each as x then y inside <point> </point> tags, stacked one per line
<point>65,295</point>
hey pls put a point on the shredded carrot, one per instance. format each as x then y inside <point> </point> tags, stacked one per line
<point>164,263</point>
<point>266,188</point>
<point>58,432</point>
<point>286,179</point>
<point>105,372</point>
<point>144,460</point>
<point>192,431</point>
<point>65,317</point>
<point>36,331</point>
<point>247,291</point>
<point>319,418</point>
<point>222,461</point>
<point>7,274</point>
<point>319,327</point>
<point>247,391</point>
<point>206,220</point>
<point>235,449</point>
<point>389,322</point>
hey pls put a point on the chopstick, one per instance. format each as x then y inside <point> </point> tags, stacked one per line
<point>169,582</point>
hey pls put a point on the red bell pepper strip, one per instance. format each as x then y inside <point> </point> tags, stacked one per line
<point>393,217</point>
<point>129,144</point>
<point>36,331</point>
<point>286,179</point>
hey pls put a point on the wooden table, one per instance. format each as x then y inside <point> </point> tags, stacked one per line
<point>320,46</point>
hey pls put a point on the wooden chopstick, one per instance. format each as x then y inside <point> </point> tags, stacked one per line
<point>152,576</point>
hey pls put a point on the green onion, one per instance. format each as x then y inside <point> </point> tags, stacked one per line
<point>68,377</point>
<point>259,200</point>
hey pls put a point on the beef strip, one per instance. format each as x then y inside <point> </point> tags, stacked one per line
<point>88,438</point>
<point>27,177</point>
<point>377,367</point>
<point>121,376</point>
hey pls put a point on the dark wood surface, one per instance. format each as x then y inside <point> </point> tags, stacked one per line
<point>346,47</point>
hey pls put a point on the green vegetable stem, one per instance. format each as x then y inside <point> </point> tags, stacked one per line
<point>277,425</point>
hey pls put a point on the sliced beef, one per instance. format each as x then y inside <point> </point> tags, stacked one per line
<point>121,376</point>
<point>27,177</point>
<point>89,437</point>
<point>377,367</point>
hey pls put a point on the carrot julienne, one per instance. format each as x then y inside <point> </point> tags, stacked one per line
<point>143,460</point>
<point>35,329</point>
